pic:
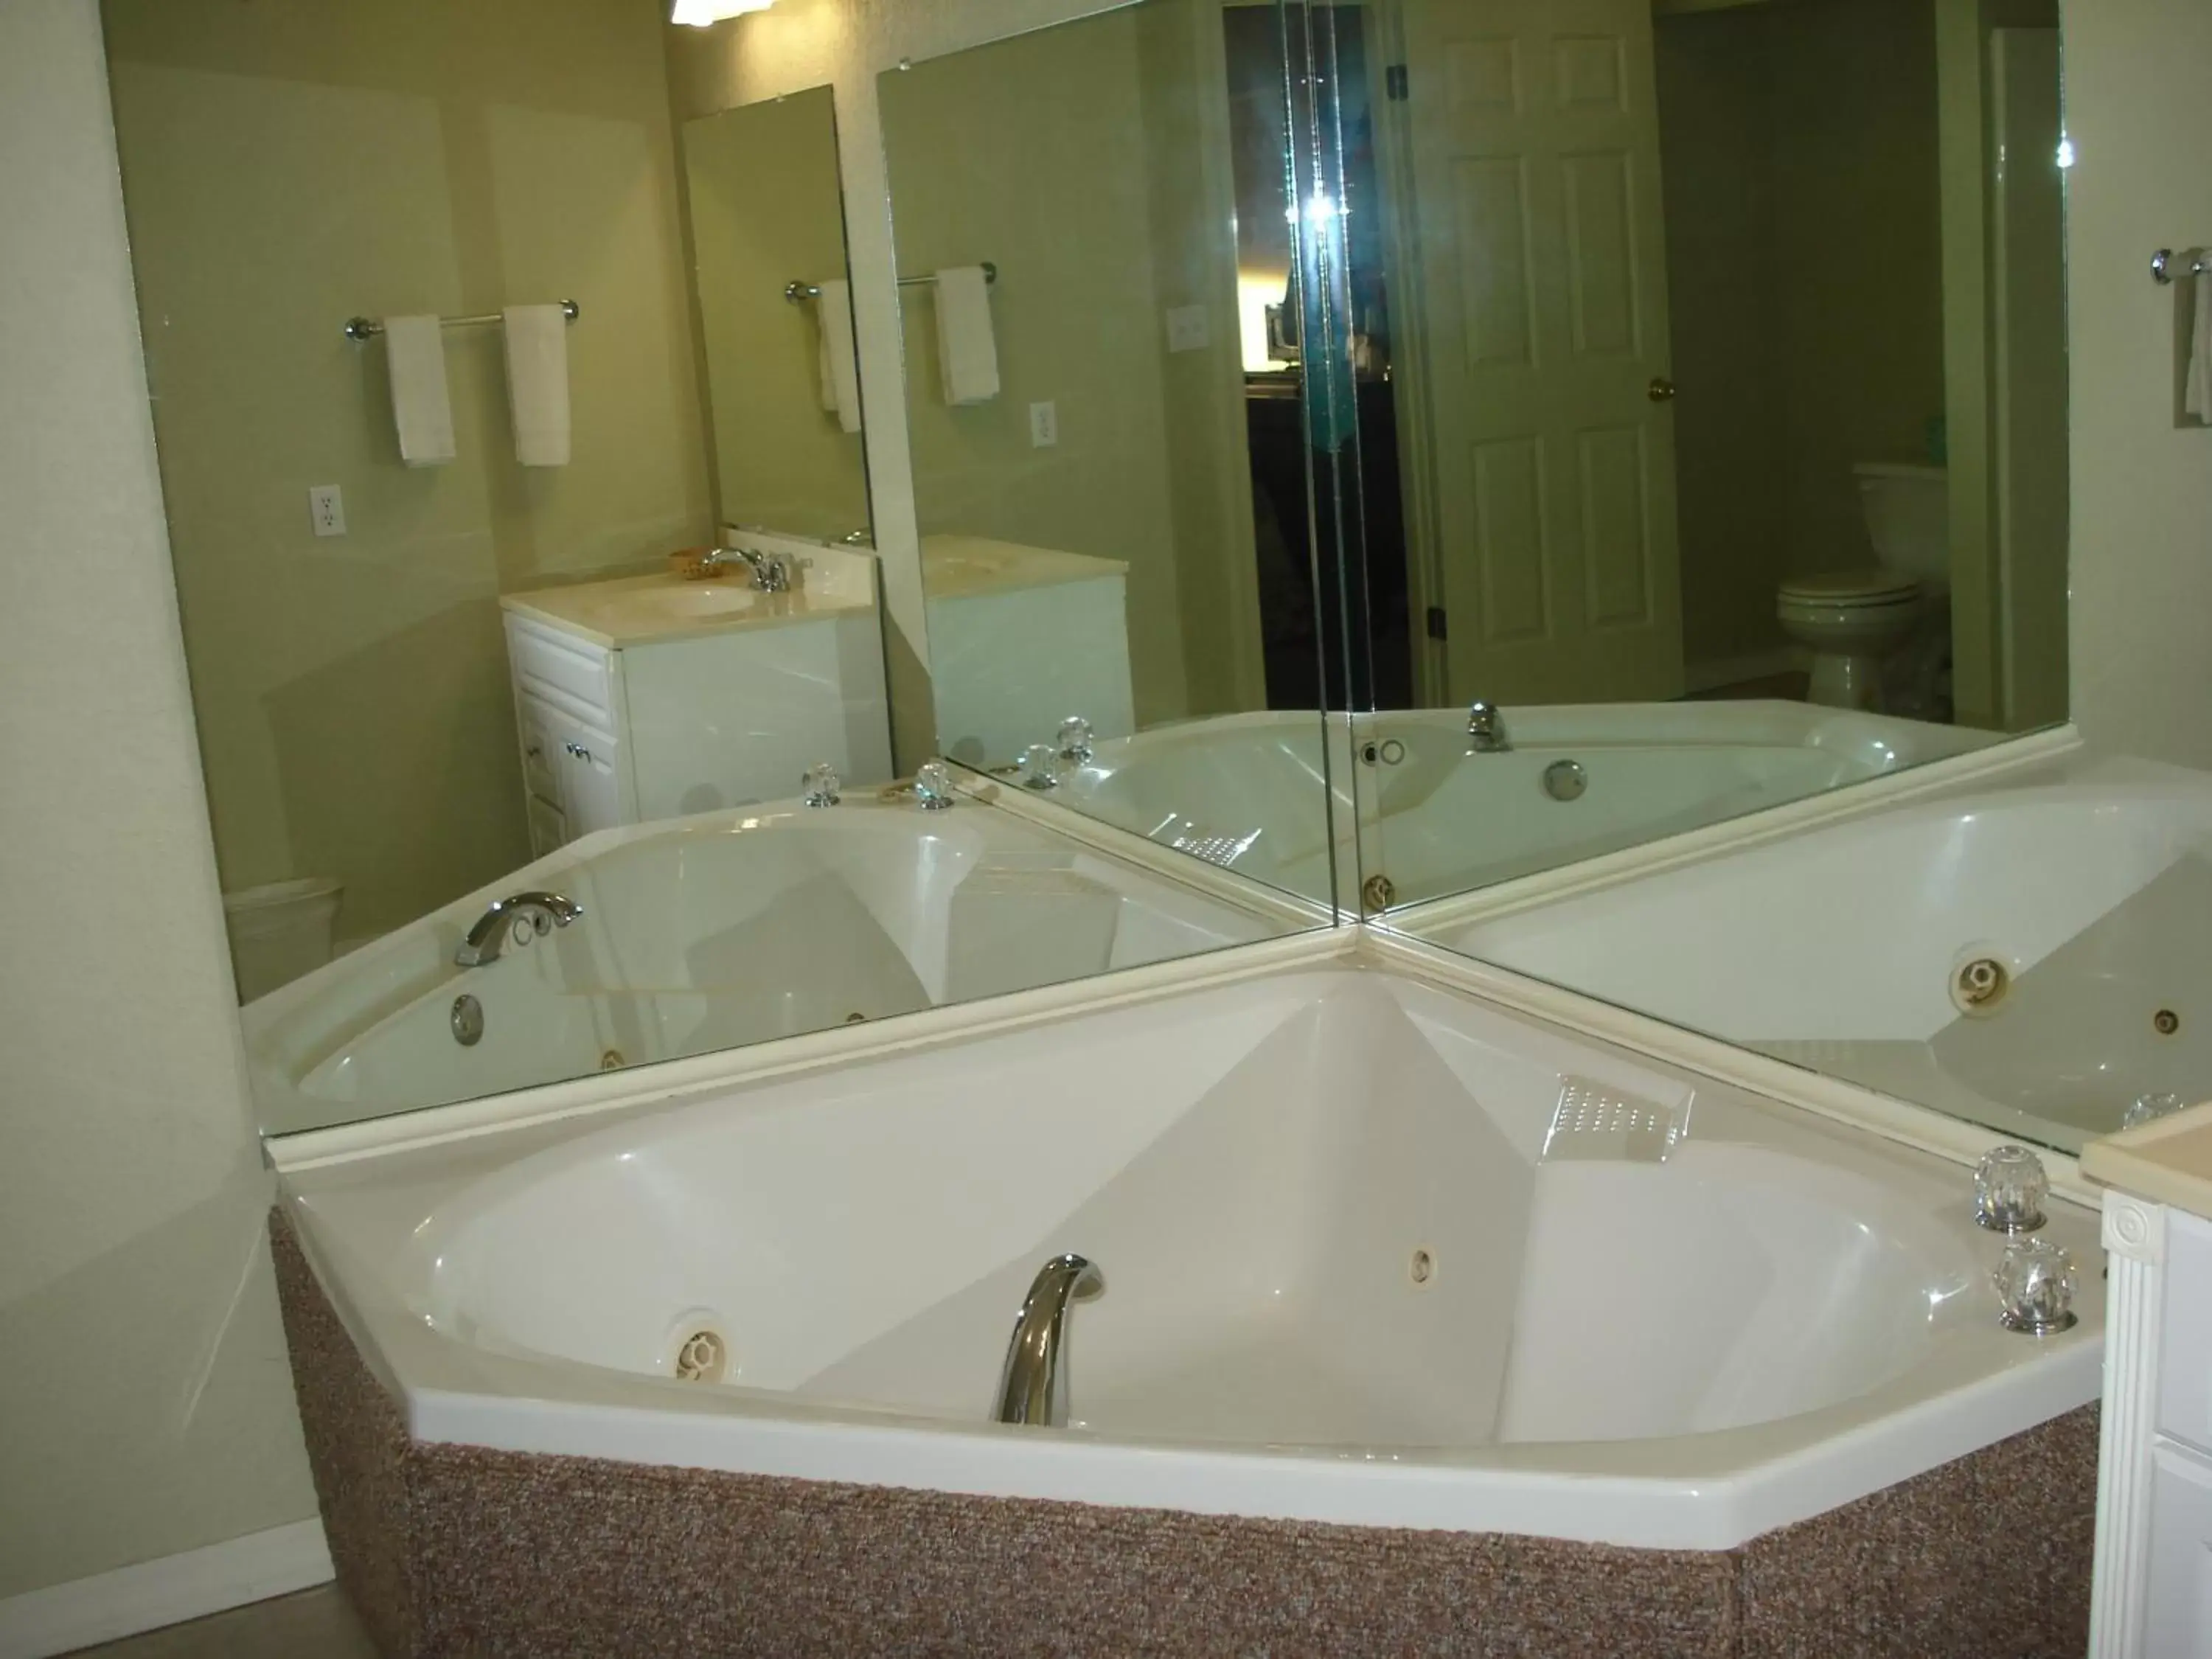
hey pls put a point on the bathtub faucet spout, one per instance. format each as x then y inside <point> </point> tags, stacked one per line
<point>1486,730</point>
<point>1033,1386</point>
<point>489,937</point>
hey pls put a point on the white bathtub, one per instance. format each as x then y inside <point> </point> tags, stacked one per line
<point>2088,881</point>
<point>1734,1319</point>
<point>1246,790</point>
<point>707,932</point>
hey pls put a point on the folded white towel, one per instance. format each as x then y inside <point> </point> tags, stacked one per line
<point>538,383</point>
<point>2196,398</point>
<point>415,352</point>
<point>841,369</point>
<point>967,355</point>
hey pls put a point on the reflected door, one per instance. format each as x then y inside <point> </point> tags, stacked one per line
<point>1535,146</point>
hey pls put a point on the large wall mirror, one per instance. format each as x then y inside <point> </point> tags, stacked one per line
<point>774,313</point>
<point>512,430</point>
<point>1726,353</point>
<point>1110,480</point>
<point>1723,449</point>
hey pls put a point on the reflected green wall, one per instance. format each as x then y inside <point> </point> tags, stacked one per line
<point>285,167</point>
<point>763,190</point>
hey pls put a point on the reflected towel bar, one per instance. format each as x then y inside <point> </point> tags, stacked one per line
<point>795,292</point>
<point>2161,266</point>
<point>363,328</point>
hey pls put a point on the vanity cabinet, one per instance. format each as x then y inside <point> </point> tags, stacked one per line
<point>648,698</point>
<point>2153,1593</point>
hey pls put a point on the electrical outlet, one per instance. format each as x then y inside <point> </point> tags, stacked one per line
<point>326,509</point>
<point>1187,329</point>
<point>1044,426</point>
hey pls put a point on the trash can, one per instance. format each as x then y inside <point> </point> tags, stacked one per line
<point>280,932</point>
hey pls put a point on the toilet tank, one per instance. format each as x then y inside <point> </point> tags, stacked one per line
<point>1908,519</point>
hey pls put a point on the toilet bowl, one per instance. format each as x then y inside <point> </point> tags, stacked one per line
<point>1852,621</point>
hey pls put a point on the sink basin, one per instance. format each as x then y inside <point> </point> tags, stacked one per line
<point>642,610</point>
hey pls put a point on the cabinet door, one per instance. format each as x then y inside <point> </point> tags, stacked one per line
<point>2178,1592</point>
<point>583,764</point>
<point>541,754</point>
<point>548,827</point>
<point>590,790</point>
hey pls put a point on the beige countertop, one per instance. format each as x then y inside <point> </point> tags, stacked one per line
<point>652,610</point>
<point>2168,1160</point>
<point>961,567</point>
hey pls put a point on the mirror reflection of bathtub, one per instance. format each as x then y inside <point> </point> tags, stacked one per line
<point>1578,780</point>
<point>2028,951</point>
<point>713,931</point>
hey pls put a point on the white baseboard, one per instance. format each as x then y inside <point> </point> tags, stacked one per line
<point>1734,671</point>
<point>167,1591</point>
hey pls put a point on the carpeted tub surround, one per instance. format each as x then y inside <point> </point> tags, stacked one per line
<point>453,1551</point>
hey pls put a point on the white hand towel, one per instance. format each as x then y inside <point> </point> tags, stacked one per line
<point>833,314</point>
<point>2196,398</point>
<point>967,355</point>
<point>415,352</point>
<point>538,383</point>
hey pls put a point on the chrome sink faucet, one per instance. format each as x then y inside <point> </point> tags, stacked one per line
<point>1033,1384</point>
<point>1486,729</point>
<point>771,572</point>
<point>489,937</point>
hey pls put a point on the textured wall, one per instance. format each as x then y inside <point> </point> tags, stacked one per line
<point>144,1404</point>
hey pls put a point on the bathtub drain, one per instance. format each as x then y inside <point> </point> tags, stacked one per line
<point>1422,1269</point>
<point>697,1350</point>
<point>1979,986</point>
<point>2166,1022</point>
<point>701,1358</point>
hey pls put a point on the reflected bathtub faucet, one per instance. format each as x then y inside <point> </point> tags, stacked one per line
<point>543,911</point>
<point>1486,729</point>
<point>771,571</point>
<point>1033,1386</point>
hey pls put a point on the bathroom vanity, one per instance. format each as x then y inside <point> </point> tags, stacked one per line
<point>649,697</point>
<point>2153,1572</point>
<point>1020,638</point>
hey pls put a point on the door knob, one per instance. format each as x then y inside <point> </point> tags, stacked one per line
<point>1661,391</point>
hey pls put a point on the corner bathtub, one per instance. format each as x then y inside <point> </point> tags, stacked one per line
<point>1246,790</point>
<point>1374,1253</point>
<point>2087,883</point>
<point>707,932</point>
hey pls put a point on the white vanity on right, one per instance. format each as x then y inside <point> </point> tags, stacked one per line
<point>2153,1594</point>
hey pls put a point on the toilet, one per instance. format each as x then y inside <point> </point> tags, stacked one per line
<point>1858,623</point>
<point>279,932</point>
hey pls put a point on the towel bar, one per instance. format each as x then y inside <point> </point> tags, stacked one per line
<point>796,292</point>
<point>363,328</point>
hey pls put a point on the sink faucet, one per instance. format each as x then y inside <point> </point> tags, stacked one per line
<point>1033,1386</point>
<point>771,572</point>
<point>489,937</point>
<point>1486,729</point>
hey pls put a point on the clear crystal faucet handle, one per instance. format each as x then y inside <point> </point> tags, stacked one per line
<point>819,785</point>
<point>2009,1187</point>
<point>1075,740</point>
<point>933,787</point>
<point>2035,1286</point>
<point>2149,1108</point>
<point>1040,767</point>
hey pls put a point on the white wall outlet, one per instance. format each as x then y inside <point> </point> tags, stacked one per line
<point>327,508</point>
<point>1188,330</point>
<point>1044,426</point>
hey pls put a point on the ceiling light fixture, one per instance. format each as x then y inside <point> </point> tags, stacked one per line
<point>705,14</point>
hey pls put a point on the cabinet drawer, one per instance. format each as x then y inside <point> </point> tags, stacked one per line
<point>543,660</point>
<point>2184,1363</point>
